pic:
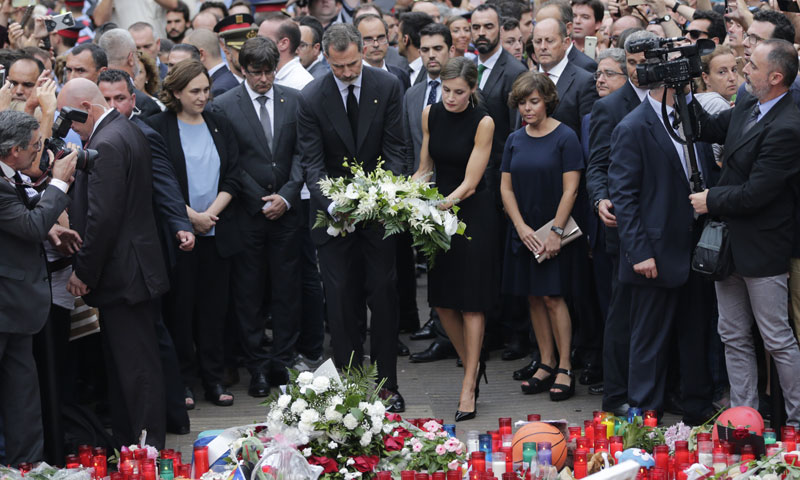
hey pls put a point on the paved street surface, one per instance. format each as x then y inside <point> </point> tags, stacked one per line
<point>430,390</point>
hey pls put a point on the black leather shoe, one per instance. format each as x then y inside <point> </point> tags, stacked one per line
<point>437,350</point>
<point>394,401</point>
<point>178,429</point>
<point>526,372</point>
<point>259,387</point>
<point>596,389</point>
<point>213,394</point>
<point>402,349</point>
<point>424,333</point>
<point>278,375</point>
<point>591,375</point>
<point>515,350</point>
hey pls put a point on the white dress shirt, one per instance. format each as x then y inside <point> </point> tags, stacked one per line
<point>382,67</point>
<point>556,72</point>
<point>416,68</point>
<point>679,147</point>
<point>438,90</point>
<point>293,75</point>
<point>489,64</point>
<point>270,104</point>
<point>343,89</point>
<point>640,92</point>
<point>213,70</point>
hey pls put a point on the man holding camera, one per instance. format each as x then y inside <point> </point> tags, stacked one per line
<point>648,182</point>
<point>24,282</point>
<point>120,268</point>
<point>755,196</point>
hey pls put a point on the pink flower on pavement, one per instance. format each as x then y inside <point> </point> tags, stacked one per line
<point>431,426</point>
<point>440,450</point>
<point>430,435</point>
<point>416,446</point>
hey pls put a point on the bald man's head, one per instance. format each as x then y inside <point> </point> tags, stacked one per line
<point>83,94</point>
<point>208,43</point>
<point>205,20</point>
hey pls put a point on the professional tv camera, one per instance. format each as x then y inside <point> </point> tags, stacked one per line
<point>58,146</point>
<point>676,74</point>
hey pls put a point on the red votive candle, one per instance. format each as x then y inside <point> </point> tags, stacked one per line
<point>438,476</point>
<point>584,443</point>
<point>580,463</point>
<point>72,461</point>
<point>421,476</point>
<point>509,453</point>
<point>85,455</point>
<point>574,432</point>
<point>453,474</point>
<point>117,476</point>
<point>785,429</point>
<point>650,418</point>
<point>661,454</point>
<point>681,452</point>
<point>588,430</point>
<point>601,445</point>
<point>200,461</point>
<point>384,475</point>
<point>100,466</point>
<point>149,471</point>
<point>185,470</point>
<point>600,431</point>
<point>748,454</point>
<point>534,417</point>
<point>615,445</point>
<point>658,473</point>
<point>510,476</point>
<point>407,475</point>
<point>505,425</point>
<point>478,461</point>
<point>789,439</point>
<point>681,473</point>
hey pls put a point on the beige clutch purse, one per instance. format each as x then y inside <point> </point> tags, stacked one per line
<point>571,232</point>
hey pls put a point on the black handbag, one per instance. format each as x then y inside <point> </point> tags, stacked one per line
<point>712,256</point>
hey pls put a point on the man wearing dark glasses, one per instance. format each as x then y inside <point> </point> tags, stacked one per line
<point>706,24</point>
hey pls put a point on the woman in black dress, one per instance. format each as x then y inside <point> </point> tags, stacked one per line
<point>456,142</point>
<point>541,172</point>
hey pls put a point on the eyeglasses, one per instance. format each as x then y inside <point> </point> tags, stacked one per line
<point>263,73</point>
<point>751,39</point>
<point>36,146</point>
<point>380,40</point>
<point>609,74</point>
<point>695,34</point>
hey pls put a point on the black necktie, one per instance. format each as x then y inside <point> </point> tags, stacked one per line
<point>752,119</point>
<point>352,111</point>
<point>434,84</point>
<point>21,190</point>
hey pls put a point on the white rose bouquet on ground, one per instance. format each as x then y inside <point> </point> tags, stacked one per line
<point>397,202</point>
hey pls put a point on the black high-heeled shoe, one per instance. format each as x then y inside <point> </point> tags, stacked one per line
<point>539,385</point>
<point>564,391</point>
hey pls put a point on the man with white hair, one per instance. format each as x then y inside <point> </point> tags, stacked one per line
<point>120,49</point>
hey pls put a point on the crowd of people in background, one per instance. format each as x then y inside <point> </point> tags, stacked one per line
<point>185,250</point>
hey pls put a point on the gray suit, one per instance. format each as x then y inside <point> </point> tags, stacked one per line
<point>393,57</point>
<point>413,104</point>
<point>320,68</point>
<point>24,305</point>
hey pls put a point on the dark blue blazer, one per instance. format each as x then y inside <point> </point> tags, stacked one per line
<point>401,75</point>
<point>222,81</point>
<point>650,193</point>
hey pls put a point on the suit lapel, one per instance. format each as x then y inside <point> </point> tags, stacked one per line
<point>496,72</point>
<point>565,81</point>
<point>631,98</point>
<point>108,119</point>
<point>739,140</point>
<point>367,105</point>
<point>664,141</point>
<point>418,104</point>
<point>178,160</point>
<point>334,108</point>
<point>250,116</point>
<point>277,122</point>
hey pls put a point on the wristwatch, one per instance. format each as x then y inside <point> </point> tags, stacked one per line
<point>665,18</point>
<point>677,5</point>
<point>559,231</point>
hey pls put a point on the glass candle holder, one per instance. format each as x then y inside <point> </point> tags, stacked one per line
<point>534,417</point>
<point>661,454</point>
<point>200,461</point>
<point>407,475</point>
<point>478,461</point>
<point>681,452</point>
<point>615,445</point>
<point>769,436</point>
<point>544,454</point>
<point>505,425</point>
<point>580,463</point>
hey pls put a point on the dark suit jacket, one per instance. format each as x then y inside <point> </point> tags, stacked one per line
<point>495,97</point>
<point>606,114</point>
<point>576,96</point>
<point>265,172</point>
<point>421,77</point>
<point>146,105</point>
<point>24,283</point>
<point>393,57</point>
<point>413,104</point>
<point>120,259</point>
<point>649,190</point>
<point>169,207</point>
<point>228,239</point>
<point>162,70</point>
<point>401,75</point>
<point>582,60</point>
<point>320,68</point>
<point>222,81</point>
<point>325,139</point>
<point>756,191</point>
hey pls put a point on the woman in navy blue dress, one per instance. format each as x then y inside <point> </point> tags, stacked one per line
<point>541,172</point>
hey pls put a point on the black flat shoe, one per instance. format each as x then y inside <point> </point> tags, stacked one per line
<point>527,371</point>
<point>564,391</point>
<point>188,395</point>
<point>539,385</point>
<point>214,395</point>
